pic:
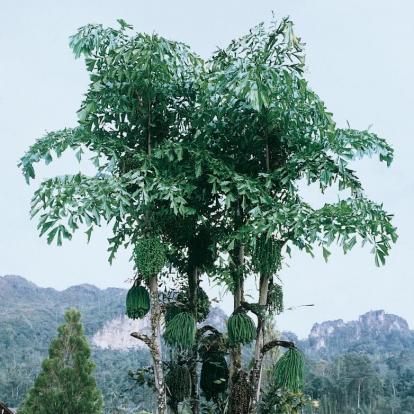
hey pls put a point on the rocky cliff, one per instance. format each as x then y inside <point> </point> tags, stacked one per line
<point>115,334</point>
<point>335,337</point>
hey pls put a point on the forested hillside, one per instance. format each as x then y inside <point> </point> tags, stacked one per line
<point>368,363</point>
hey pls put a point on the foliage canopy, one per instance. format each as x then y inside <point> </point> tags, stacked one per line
<point>158,120</point>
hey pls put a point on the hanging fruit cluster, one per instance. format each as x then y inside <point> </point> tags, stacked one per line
<point>180,331</point>
<point>266,257</point>
<point>214,375</point>
<point>137,302</point>
<point>241,329</point>
<point>289,370</point>
<point>275,298</point>
<point>178,381</point>
<point>149,256</point>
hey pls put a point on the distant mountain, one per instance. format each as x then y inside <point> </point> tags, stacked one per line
<point>28,306</point>
<point>31,314</point>
<point>373,332</point>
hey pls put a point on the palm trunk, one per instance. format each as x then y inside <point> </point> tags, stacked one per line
<point>192,287</point>
<point>235,352</point>
<point>156,349</point>
<point>258,355</point>
<point>154,344</point>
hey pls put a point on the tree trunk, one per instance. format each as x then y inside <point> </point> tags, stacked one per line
<point>235,352</point>
<point>255,377</point>
<point>256,373</point>
<point>192,287</point>
<point>156,349</point>
<point>359,391</point>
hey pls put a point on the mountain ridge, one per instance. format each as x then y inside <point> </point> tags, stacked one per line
<point>373,330</point>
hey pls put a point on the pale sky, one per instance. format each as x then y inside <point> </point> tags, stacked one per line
<point>360,58</point>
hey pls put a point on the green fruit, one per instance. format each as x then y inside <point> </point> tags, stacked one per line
<point>171,311</point>
<point>289,370</point>
<point>178,381</point>
<point>137,302</point>
<point>275,298</point>
<point>239,399</point>
<point>149,256</point>
<point>180,331</point>
<point>241,329</point>
<point>266,257</point>
<point>203,305</point>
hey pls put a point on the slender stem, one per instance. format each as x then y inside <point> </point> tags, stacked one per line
<point>267,152</point>
<point>276,342</point>
<point>149,128</point>
<point>149,109</point>
<point>235,352</point>
<point>256,373</point>
<point>156,352</point>
<point>192,286</point>
<point>258,356</point>
<point>206,328</point>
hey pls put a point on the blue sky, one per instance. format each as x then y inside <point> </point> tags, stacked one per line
<point>360,59</point>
